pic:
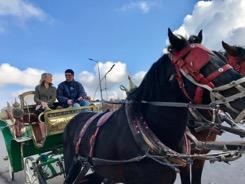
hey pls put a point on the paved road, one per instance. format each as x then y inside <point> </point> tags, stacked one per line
<point>218,173</point>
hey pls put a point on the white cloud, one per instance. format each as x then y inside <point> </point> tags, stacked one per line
<point>219,19</point>
<point>12,75</point>
<point>28,78</point>
<point>143,6</point>
<point>21,8</point>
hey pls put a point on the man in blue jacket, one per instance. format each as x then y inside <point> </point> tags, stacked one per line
<point>71,92</point>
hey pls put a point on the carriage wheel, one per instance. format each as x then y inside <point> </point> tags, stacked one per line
<point>11,172</point>
<point>31,176</point>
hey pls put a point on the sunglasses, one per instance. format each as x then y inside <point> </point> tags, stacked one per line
<point>68,75</point>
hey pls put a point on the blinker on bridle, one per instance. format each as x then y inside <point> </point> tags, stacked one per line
<point>188,63</point>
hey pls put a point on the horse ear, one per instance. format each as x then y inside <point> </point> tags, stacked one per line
<point>199,37</point>
<point>176,42</point>
<point>229,49</point>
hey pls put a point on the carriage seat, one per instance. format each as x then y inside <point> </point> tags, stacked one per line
<point>27,102</point>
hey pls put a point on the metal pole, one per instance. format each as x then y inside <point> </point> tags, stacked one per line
<point>98,68</point>
<point>104,77</point>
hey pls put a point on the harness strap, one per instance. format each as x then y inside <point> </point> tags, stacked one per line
<point>85,168</point>
<point>218,72</point>
<point>198,95</point>
<point>148,141</point>
<point>199,91</point>
<point>181,83</point>
<point>240,117</point>
<point>103,119</point>
<point>84,129</point>
<point>187,144</point>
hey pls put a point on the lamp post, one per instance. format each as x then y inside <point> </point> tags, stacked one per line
<point>98,68</point>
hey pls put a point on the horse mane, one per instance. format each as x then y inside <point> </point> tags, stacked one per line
<point>154,80</point>
<point>148,82</point>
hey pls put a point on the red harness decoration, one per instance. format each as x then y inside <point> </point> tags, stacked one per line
<point>232,60</point>
<point>191,60</point>
<point>100,123</point>
<point>102,120</point>
<point>84,129</point>
<point>237,63</point>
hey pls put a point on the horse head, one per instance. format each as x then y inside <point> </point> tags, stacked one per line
<point>208,70</point>
<point>235,56</point>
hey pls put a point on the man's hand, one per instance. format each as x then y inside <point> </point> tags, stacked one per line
<point>69,102</point>
<point>80,98</point>
<point>44,104</point>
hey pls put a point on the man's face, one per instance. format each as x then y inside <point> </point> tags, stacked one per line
<point>69,77</point>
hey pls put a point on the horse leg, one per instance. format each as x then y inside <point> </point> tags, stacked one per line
<point>185,175</point>
<point>72,165</point>
<point>197,169</point>
<point>197,166</point>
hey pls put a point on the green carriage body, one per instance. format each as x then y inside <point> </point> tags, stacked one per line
<point>26,146</point>
<point>19,148</point>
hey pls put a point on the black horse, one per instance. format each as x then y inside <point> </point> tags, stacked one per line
<point>115,140</point>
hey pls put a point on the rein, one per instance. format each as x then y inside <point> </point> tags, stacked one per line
<point>167,104</point>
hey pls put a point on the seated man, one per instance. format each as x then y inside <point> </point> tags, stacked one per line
<point>71,92</point>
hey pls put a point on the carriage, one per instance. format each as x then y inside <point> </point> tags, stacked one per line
<point>35,143</point>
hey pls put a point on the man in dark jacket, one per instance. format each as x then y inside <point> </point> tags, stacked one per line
<point>71,92</point>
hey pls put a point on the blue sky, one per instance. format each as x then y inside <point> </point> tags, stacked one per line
<point>105,30</point>
<point>39,36</point>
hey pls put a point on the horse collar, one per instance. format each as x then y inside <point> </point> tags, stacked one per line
<point>147,141</point>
